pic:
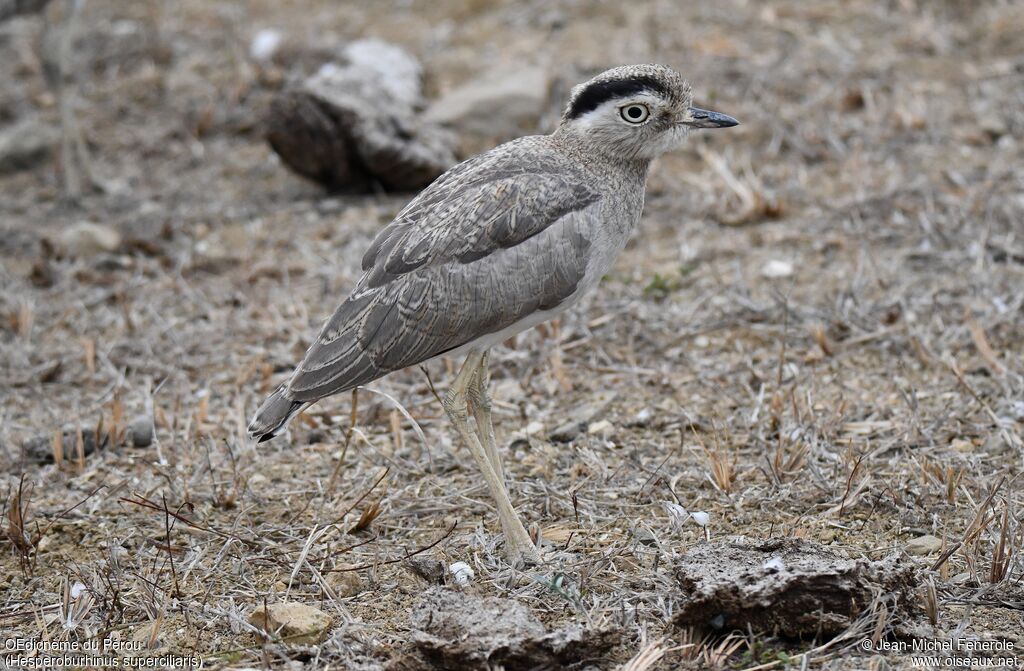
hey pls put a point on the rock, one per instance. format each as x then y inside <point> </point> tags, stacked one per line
<point>791,586</point>
<point>582,417</point>
<point>923,545</point>
<point>455,630</point>
<point>294,623</point>
<point>500,104</point>
<point>357,126</point>
<point>25,145</point>
<point>777,269</point>
<point>345,583</point>
<point>87,239</point>
<point>461,573</point>
<point>566,432</point>
<point>140,432</point>
<point>429,569</point>
<point>265,44</point>
<point>40,448</point>
<point>598,428</point>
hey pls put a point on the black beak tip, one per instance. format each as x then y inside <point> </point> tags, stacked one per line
<point>707,119</point>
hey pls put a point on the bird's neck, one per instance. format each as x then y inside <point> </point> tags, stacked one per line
<point>603,160</point>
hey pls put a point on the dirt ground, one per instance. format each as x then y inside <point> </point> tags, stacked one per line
<point>817,332</point>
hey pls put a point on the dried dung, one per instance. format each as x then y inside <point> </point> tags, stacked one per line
<point>454,630</point>
<point>791,586</point>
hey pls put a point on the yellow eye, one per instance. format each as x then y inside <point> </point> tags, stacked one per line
<point>635,113</point>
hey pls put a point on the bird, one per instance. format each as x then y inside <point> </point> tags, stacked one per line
<point>498,244</point>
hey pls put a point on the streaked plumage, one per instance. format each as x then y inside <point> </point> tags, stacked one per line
<point>499,243</point>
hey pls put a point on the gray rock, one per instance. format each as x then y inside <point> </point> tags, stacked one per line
<point>923,545</point>
<point>455,630</point>
<point>564,433</point>
<point>25,145</point>
<point>355,126</point>
<point>791,586</point>
<point>40,449</point>
<point>86,239</point>
<point>581,417</point>
<point>140,432</point>
<point>499,104</point>
<point>295,623</point>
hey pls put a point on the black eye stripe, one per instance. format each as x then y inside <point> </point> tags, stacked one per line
<point>597,94</point>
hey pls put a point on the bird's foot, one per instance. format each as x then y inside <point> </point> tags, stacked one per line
<point>523,553</point>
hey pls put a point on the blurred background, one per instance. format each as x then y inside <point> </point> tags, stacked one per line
<point>834,288</point>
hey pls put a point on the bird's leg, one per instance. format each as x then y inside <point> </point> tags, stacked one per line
<point>518,545</point>
<point>480,403</point>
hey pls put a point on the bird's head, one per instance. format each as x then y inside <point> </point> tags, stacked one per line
<point>636,112</point>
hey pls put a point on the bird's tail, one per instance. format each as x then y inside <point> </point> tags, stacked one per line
<point>274,414</point>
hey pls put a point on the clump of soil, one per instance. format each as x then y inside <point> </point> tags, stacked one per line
<point>455,630</point>
<point>789,586</point>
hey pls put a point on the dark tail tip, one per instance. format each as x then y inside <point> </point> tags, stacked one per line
<point>273,415</point>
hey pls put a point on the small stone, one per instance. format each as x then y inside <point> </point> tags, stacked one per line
<point>533,428</point>
<point>462,573</point>
<point>923,545</point>
<point>265,44</point>
<point>25,145</point>
<point>140,431</point>
<point>641,419</point>
<point>776,269</point>
<point>566,432</point>
<point>294,623</point>
<point>498,104</point>
<point>963,446</point>
<point>40,449</point>
<point>345,582</point>
<point>645,536</point>
<point>597,428</point>
<point>88,239</point>
<point>429,569</point>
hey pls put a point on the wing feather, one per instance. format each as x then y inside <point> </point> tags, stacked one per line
<point>480,249</point>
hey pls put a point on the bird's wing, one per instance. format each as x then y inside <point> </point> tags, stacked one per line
<point>482,248</point>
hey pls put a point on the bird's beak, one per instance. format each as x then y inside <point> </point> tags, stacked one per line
<point>698,118</point>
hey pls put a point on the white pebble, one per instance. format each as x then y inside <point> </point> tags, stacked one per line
<point>777,268</point>
<point>265,44</point>
<point>461,572</point>
<point>774,564</point>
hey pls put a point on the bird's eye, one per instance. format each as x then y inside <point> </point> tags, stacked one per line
<point>635,113</point>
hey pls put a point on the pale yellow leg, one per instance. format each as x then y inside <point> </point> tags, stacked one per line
<point>480,404</point>
<point>518,545</point>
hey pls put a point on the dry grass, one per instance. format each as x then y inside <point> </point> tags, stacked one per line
<point>830,347</point>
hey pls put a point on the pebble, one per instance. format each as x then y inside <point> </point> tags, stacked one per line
<point>345,583</point>
<point>461,573</point>
<point>566,432</point>
<point>923,545</point>
<point>497,104</point>
<point>88,239</point>
<point>25,145</point>
<point>265,44</point>
<point>40,448</point>
<point>295,623</point>
<point>600,427</point>
<point>777,268</point>
<point>140,431</point>
<point>429,569</point>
